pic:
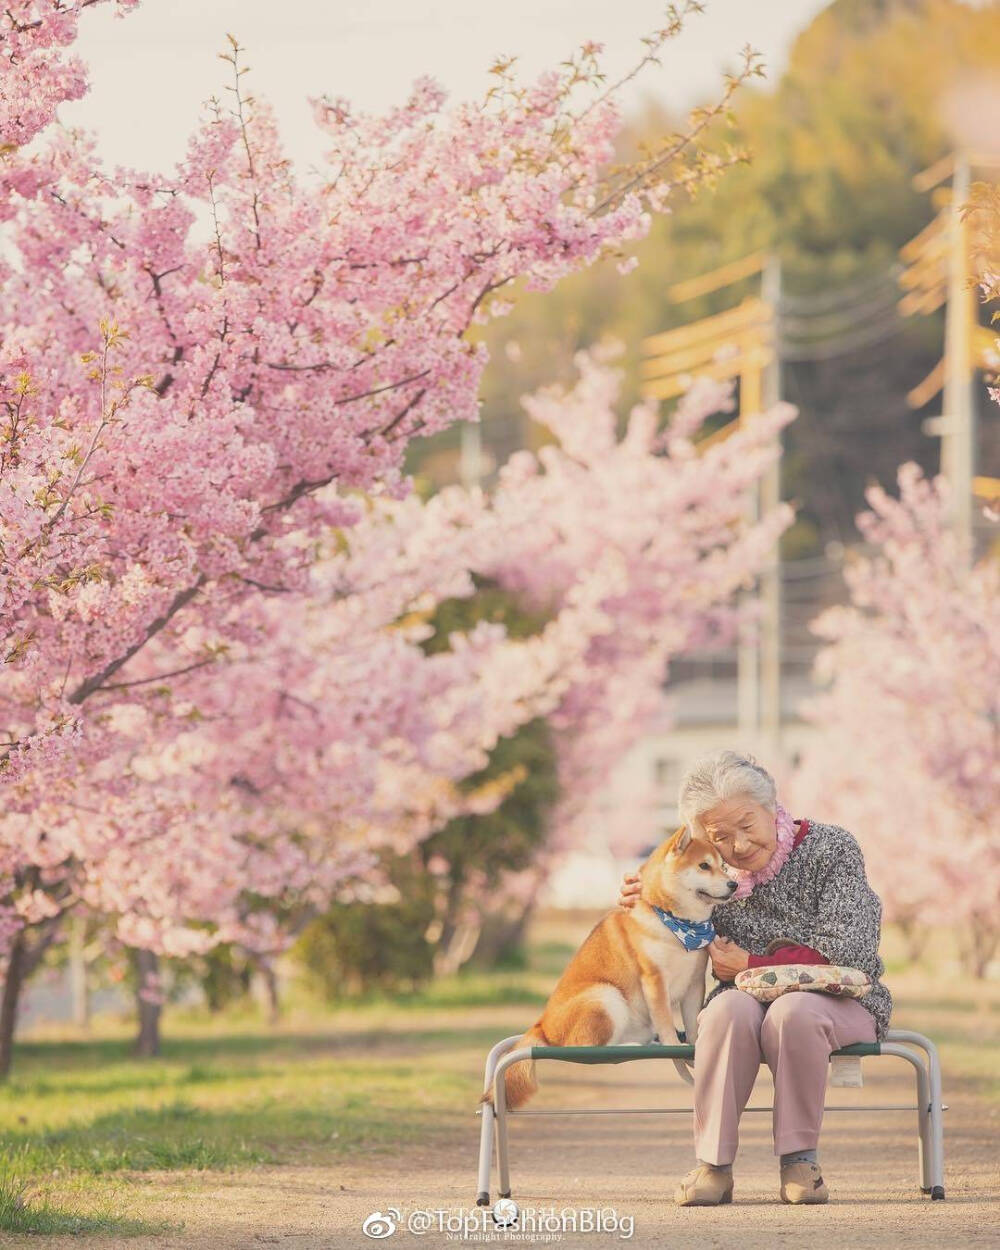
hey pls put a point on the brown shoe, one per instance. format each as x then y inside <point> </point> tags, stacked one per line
<point>803,1182</point>
<point>704,1186</point>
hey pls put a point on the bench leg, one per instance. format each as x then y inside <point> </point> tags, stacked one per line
<point>934,1114</point>
<point>486,1127</point>
<point>937,1124</point>
<point>503,1161</point>
<point>926,1134</point>
<point>500,1103</point>
<point>933,1178</point>
<point>485,1153</point>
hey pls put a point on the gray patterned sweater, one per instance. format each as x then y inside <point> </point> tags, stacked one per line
<point>820,898</point>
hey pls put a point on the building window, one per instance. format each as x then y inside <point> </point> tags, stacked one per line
<point>667,773</point>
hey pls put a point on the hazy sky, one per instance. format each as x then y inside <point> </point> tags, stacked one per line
<point>151,71</point>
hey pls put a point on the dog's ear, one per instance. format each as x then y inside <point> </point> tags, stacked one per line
<point>680,839</point>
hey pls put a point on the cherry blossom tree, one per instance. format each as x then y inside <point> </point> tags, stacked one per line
<point>186,418</point>
<point>907,753</point>
<point>909,746</point>
<point>338,727</point>
<point>654,531</point>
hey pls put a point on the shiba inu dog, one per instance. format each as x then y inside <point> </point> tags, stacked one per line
<point>637,973</point>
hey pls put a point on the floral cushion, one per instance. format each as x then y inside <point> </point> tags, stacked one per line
<point>767,982</point>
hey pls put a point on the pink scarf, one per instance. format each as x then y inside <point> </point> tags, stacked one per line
<point>785,827</point>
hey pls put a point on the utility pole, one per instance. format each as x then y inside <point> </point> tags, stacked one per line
<point>79,989</point>
<point>958,425</point>
<point>770,497</point>
<point>675,356</point>
<point>758,683</point>
<point>471,458</point>
<point>748,646</point>
<point>938,273</point>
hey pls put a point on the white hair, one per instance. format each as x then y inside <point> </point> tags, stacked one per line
<point>719,776</point>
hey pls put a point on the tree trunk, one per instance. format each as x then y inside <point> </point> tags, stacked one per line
<point>21,963</point>
<point>990,940</point>
<point>147,1042</point>
<point>915,937</point>
<point>501,934</point>
<point>463,939</point>
<point>8,1003</point>
<point>977,951</point>
<point>79,989</point>
<point>505,929</point>
<point>447,906</point>
<point>267,974</point>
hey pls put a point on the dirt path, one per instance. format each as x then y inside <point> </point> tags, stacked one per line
<point>627,1163</point>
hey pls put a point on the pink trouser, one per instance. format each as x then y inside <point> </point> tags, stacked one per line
<point>795,1035</point>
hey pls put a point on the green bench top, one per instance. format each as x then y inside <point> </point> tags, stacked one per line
<point>622,1054</point>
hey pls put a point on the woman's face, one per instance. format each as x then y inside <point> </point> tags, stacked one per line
<point>744,832</point>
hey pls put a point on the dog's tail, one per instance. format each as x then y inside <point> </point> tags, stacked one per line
<point>519,1079</point>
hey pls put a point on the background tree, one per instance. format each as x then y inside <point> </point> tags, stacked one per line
<point>186,417</point>
<point>869,97</point>
<point>907,748</point>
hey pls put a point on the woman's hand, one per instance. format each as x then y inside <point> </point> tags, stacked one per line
<point>727,958</point>
<point>631,888</point>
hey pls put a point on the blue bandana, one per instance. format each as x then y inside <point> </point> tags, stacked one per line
<point>692,934</point>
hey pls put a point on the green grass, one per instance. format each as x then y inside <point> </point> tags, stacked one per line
<point>90,1113</point>
<point>464,990</point>
<point>175,1135</point>
<point>223,1110</point>
<point>21,1213</point>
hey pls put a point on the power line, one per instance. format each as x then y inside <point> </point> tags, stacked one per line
<point>836,322</point>
<point>843,317</point>
<point>824,301</point>
<point>826,350</point>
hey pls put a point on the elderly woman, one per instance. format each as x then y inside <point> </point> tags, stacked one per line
<point>803,898</point>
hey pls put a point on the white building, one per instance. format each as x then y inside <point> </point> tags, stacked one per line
<point>698,717</point>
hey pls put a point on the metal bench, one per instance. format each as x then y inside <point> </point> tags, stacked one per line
<point>929,1108</point>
